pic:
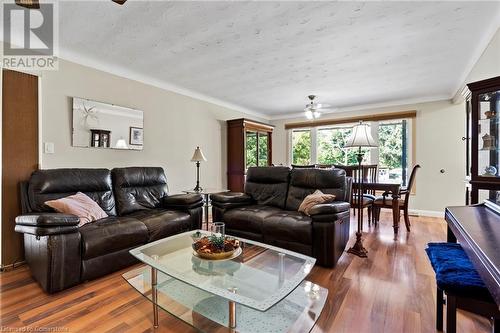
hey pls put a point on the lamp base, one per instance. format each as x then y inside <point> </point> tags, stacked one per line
<point>358,249</point>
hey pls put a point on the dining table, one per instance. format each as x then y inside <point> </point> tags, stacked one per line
<point>392,190</point>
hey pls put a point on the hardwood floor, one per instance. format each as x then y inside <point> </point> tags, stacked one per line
<point>391,291</point>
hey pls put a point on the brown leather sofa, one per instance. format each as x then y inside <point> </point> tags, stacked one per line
<point>61,255</point>
<point>268,211</point>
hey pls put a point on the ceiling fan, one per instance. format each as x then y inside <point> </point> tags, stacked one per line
<point>313,109</point>
<point>35,4</point>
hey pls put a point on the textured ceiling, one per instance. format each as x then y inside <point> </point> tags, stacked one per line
<point>268,56</point>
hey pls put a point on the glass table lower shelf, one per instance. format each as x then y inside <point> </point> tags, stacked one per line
<point>298,312</point>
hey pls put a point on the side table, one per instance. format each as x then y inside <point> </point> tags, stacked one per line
<point>206,199</point>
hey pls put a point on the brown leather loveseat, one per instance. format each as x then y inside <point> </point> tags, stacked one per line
<point>268,211</point>
<point>61,255</point>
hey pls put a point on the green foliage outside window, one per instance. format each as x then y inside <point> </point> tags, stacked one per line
<point>390,137</point>
<point>263,149</point>
<point>251,149</point>
<point>301,147</point>
<point>331,142</point>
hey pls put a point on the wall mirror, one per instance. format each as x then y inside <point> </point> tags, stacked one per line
<point>101,125</point>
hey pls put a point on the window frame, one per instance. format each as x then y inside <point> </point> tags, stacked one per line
<point>374,155</point>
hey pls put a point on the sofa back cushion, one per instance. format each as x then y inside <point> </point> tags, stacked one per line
<point>52,184</point>
<point>138,188</point>
<point>305,181</point>
<point>268,185</point>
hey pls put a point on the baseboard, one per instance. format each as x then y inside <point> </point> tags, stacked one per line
<point>429,213</point>
<point>9,267</point>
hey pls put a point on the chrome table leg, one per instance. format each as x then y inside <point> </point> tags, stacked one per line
<point>154,282</point>
<point>232,310</point>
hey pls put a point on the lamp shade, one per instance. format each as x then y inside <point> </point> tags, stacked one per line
<point>361,137</point>
<point>198,156</point>
<point>121,144</point>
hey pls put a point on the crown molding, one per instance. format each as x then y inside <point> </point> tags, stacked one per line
<point>146,79</point>
<point>362,107</point>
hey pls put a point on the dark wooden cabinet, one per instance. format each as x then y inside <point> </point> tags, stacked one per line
<point>248,144</point>
<point>484,140</point>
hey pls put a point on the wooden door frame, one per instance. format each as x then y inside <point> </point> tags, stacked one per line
<point>39,75</point>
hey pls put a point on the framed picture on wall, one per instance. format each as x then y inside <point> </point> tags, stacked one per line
<point>136,136</point>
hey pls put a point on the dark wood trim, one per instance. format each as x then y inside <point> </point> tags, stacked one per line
<point>19,153</point>
<point>346,120</point>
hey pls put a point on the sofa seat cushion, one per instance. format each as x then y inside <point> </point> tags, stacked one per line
<point>248,218</point>
<point>290,226</point>
<point>163,223</point>
<point>112,234</point>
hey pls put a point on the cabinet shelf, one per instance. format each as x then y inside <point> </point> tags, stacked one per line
<point>484,101</point>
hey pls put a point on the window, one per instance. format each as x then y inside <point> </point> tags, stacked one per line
<point>256,149</point>
<point>330,147</point>
<point>325,145</point>
<point>301,147</point>
<point>393,151</point>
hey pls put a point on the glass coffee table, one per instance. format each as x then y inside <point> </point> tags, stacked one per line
<point>263,289</point>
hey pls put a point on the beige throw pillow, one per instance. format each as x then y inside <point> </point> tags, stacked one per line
<point>80,205</point>
<point>316,198</point>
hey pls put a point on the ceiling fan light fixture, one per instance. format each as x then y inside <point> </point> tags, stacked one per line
<point>309,115</point>
<point>316,114</point>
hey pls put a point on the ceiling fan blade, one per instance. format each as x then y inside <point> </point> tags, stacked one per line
<point>30,4</point>
<point>120,2</point>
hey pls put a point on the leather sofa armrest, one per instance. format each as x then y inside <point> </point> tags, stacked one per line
<point>184,201</point>
<point>45,231</point>
<point>226,198</point>
<point>330,208</point>
<point>48,220</point>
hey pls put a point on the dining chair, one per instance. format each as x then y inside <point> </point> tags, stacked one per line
<point>385,201</point>
<point>369,174</point>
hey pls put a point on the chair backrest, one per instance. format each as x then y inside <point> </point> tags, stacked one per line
<point>349,169</point>
<point>324,166</point>
<point>268,185</point>
<point>370,175</point>
<point>138,188</point>
<point>310,166</point>
<point>305,181</point>
<point>411,183</point>
<point>51,184</point>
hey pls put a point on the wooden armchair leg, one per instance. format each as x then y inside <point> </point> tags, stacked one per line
<point>439,309</point>
<point>451,314</point>
<point>407,220</point>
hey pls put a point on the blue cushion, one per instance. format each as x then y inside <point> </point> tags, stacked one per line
<point>455,272</point>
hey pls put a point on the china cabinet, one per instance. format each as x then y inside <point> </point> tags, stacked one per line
<point>248,144</point>
<point>484,131</point>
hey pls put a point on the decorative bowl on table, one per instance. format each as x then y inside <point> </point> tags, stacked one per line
<point>216,248</point>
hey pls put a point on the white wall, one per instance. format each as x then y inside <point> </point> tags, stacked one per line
<point>489,64</point>
<point>174,125</point>
<point>439,129</point>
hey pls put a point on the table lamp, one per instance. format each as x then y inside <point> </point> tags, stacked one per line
<point>360,138</point>
<point>198,157</point>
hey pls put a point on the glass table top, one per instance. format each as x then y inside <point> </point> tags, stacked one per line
<point>260,277</point>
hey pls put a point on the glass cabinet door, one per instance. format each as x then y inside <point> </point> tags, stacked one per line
<point>256,149</point>
<point>250,149</point>
<point>263,158</point>
<point>488,133</point>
